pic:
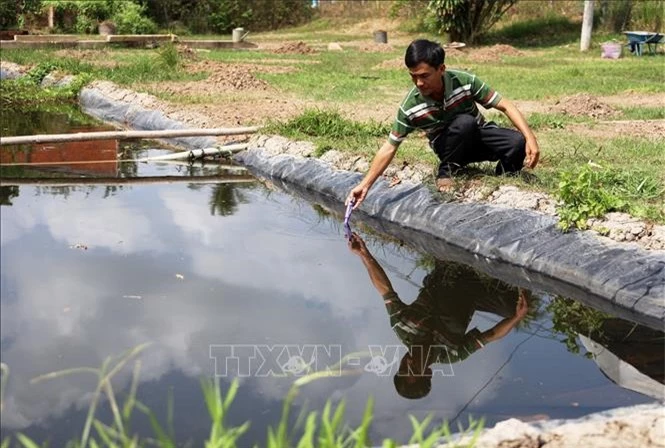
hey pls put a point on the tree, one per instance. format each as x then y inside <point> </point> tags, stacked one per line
<point>467,20</point>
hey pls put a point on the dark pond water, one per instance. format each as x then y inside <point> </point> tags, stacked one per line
<point>200,270</point>
<point>237,280</point>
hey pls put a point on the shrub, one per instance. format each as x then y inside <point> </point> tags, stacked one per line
<point>130,19</point>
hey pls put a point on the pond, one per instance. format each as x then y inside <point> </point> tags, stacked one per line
<point>243,281</point>
<point>219,277</point>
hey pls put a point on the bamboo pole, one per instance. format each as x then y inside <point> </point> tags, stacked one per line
<point>123,135</point>
<point>62,182</point>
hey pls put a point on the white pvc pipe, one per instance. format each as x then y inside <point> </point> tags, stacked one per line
<point>195,153</point>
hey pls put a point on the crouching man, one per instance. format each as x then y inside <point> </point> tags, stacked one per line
<point>443,105</point>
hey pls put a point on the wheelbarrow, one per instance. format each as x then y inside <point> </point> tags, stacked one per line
<point>637,39</point>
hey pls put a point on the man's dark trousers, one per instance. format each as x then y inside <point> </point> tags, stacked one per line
<point>463,141</point>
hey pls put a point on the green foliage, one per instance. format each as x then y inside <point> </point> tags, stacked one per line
<point>571,318</point>
<point>13,12</point>
<point>37,74</point>
<point>621,15</point>
<point>589,192</point>
<point>86,14</point>
<point>330,130</point>
<point>465,20</point>
<point>8,15</point>
<point>221,16</point>
<point>25,95</point>
<point>583,194</point>
<point>130,18</point>
<point>229,14</point>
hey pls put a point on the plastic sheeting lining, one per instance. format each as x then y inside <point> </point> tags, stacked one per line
<point>95,103</point>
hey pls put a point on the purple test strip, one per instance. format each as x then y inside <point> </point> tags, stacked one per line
<point>347,216</point>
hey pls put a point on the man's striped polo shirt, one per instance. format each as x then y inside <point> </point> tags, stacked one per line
<point>461,92</point>
<point>417,325</point>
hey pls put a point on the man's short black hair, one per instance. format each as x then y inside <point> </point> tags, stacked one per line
<point>423,50</point>
<point>412,387</point>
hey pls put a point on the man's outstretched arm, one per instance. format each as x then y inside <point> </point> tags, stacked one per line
<point>506,325</point>
<point>379,164</point>
<point>376,273</point>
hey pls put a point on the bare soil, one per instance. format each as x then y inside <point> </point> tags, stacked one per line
<point>493,53</point>
<point>583,104</point>
<point>299,47</point>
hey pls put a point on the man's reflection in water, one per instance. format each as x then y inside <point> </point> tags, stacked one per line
<point>434,327</point>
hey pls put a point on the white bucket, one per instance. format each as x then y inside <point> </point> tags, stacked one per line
<point>238,34</point>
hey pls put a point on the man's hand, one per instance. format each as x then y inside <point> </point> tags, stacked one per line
<point>522,307</point>
<point>532,149</point>
<point>358,195</point>
<point>357,245</point>
<point>379,164</point>
<point>532,153</point>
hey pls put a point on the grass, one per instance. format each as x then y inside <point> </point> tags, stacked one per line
<point>328,129</point>
<point>550,75</point>
<point>325,429</point>
<point>643,113</point>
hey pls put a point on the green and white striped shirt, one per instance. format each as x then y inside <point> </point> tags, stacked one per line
<point>462,91</point>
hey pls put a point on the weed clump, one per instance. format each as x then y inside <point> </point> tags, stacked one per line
<point>592,191</point>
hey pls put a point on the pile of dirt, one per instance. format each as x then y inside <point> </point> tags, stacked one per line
<point>222,78</point>
<point>375,48</point>
<point>582,104</point>
<point>294,48</point>
<point>237,79</point>
<point>493,53</point>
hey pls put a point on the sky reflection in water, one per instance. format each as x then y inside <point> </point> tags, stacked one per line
<point>89,273</point>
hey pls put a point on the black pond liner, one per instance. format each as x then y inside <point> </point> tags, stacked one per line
<point>521,247</point>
